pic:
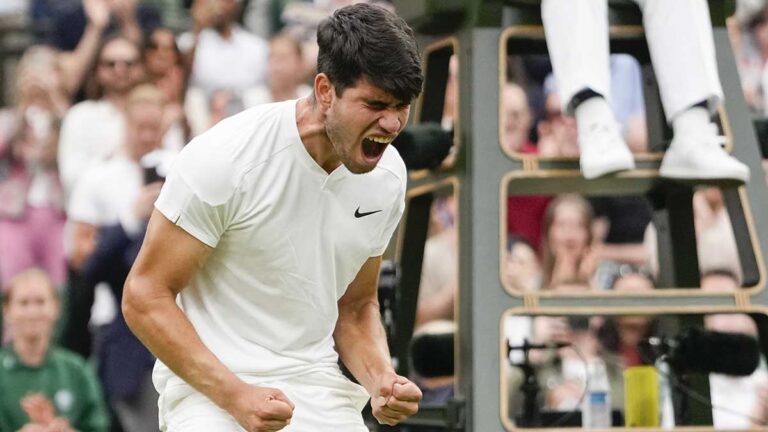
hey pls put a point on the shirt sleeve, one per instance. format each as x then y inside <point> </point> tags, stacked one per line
<point>199,195</point>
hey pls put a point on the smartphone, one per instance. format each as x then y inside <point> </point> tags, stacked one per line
<point>151,175</point>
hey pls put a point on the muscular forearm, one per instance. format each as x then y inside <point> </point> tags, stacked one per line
<point>166,331</point>
<point>362,343</point>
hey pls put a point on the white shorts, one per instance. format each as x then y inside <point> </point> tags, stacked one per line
<point>324,402</point>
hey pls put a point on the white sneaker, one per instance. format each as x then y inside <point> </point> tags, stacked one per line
<point>699,155</point>
<point>603,151</point>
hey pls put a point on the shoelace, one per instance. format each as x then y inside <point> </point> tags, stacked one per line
<point>601,135</point>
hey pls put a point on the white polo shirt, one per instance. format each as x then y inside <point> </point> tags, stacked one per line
<point>288,239</point>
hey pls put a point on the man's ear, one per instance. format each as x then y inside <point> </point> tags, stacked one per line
<point>324,90</point>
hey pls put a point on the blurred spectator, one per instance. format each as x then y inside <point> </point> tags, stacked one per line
<point>558,136</point>
<point>620,224</point>
<point>628,102</point>
<point>262,17</point>
<point>164,68</point>
<point>285,76</point>
<point>749,42</point>
<point>112,203</point>
<point>517,119</point>
<point>742,395</point>
<point>226,56</point>
<point>224,61</point>
<point>92,130</point>
<point>72,67</point>
<point>623,334</point>
<point>569,254</point>
<point>31,200</point>
<point>715,240</point>
<point>114,191</point>
<point>163,64</point>
<point>521,269</point>
<point>524,212</point>
<point>43,388</point>
<point>124,17</point>
<point>563,375</point>
<point>748,32</point>
<point>439,271</point>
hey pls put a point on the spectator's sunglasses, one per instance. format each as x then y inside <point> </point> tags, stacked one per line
<point>112,64</point>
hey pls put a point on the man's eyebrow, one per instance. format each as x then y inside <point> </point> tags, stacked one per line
<point>378,103</point>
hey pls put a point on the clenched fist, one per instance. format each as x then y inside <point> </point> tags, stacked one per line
<point>260,409</point>
<point>395,399</point>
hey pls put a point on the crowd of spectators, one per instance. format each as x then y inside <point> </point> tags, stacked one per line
<point>113,89</point>
<point>108,94</point>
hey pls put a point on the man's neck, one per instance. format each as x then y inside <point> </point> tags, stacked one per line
<point>117,99</point>
<point>31,351</point>
<point>311,124</point>
<point>224,30</point>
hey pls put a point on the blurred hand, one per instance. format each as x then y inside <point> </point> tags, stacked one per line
<point>60,424</point>
<point>97,12</point>
<point>145,202</point>
<point>565,396</point>
<point>260,409</point>
<point>39,408</point>
<point>565,268</point>
<point>395,399</point>
<point>551,329</point>
<point>124,10</point>
<point>33,427</point>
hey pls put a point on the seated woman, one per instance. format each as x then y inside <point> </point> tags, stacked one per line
<point>569,257</point>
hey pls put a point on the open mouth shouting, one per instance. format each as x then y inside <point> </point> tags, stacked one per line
<point>373,147</point>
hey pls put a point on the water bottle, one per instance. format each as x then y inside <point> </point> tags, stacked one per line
<point>596,412</point>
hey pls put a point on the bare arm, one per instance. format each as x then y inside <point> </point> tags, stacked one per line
<point>166,263</point>
<point>74,65</point>
<point>437,306</point>
<point>359,335</point>
<point>362,346</point>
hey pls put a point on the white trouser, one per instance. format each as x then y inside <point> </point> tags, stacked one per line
<point>323,403</point>
<point>679,34</point>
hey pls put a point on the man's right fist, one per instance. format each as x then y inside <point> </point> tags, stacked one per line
<point>261,409</point>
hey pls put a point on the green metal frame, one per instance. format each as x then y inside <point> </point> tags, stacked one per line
<point>482,170</point>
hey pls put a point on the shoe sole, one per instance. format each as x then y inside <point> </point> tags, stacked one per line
<point>694,175</point>
<point>594,173</point>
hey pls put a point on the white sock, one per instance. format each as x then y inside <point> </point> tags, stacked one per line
<point>593,110</point>
<point>694,118</point>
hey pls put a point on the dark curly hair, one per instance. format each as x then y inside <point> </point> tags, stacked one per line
<point>369,42</point>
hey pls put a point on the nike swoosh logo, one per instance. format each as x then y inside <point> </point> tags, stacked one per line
<point>359,215</point>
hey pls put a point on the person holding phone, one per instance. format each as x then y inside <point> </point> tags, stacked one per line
<point>109,211</point>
